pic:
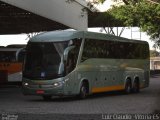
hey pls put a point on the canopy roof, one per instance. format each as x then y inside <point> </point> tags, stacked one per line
<point>14,20</point>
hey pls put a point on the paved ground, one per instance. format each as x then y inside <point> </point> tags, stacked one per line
<point>14,104</point>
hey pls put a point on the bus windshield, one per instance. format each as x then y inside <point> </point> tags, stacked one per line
<point>44,60</point>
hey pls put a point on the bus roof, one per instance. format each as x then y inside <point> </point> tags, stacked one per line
<point>65,35</point>
<point>57,36</point>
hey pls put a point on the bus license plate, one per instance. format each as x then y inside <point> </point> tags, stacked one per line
<point>40,91</point>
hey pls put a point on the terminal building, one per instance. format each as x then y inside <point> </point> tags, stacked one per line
<point>155,63</point>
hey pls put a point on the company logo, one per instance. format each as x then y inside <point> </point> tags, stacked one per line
<point>9,116</point>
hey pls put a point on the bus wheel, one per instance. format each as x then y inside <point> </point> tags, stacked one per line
<point>83,91</point>
<point>135,88</point>
<point>47,97</point>
<point>128,87</point>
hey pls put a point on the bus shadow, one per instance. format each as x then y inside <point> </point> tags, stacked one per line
<point>76,98</point>
<point>106,94</point>
<point>155,76</point>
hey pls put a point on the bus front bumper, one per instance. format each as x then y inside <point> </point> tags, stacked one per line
<point>43,89</point>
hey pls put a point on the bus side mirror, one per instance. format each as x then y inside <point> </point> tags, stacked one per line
<point>20,56</point>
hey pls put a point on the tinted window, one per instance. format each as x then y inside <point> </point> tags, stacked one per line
<point>114,49</point>
<point>7,56</point>
<point>43,60</point>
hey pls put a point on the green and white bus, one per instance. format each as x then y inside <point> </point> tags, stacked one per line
<point>81,63</point>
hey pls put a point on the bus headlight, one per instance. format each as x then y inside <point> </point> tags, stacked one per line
<point>57,84</point>
<point>25,84</point>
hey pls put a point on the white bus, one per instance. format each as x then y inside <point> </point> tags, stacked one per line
<point>83,63</point>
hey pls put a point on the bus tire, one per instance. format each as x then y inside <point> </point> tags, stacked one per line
<point>128,87</point>
<point>136,88</point>
<point>47,97</point>
<point>83,91</point>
